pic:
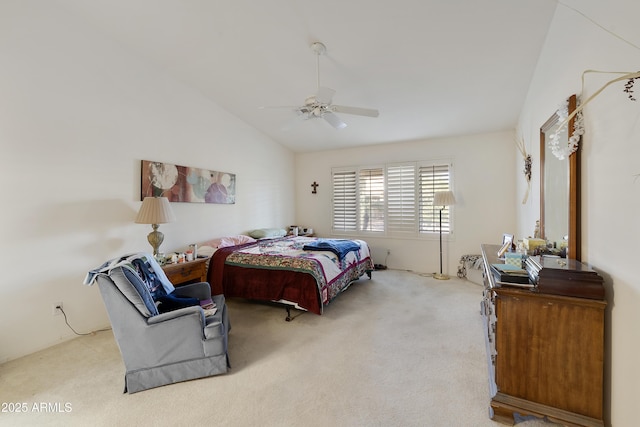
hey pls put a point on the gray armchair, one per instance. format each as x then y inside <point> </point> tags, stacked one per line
<point>159,349</point>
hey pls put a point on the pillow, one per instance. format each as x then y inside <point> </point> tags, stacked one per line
<point>223,242</point>
<point>235,240</point>
<point>214,243</point>
<point>263,233</point>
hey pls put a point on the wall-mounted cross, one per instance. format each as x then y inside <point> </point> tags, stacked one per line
<point>315,186</point>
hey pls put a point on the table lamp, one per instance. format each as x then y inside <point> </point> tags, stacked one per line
<point>154,211</point>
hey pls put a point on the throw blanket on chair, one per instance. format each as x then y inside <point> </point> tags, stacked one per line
<point>130,261</point>
<point>340,247</point>
<point>150,272</point>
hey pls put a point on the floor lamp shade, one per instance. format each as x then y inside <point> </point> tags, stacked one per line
<point>154,211</point>
<point>442,199</point>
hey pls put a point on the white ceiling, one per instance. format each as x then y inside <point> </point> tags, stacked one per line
<point>433,68</point>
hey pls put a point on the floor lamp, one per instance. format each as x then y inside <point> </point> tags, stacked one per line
<point>444,199</point>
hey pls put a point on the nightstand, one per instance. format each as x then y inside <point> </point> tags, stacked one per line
<point>182,273</point>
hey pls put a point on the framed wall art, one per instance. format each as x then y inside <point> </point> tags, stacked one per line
<point>186,184</point>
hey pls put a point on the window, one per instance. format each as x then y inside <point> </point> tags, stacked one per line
<point>432,179</point>
<point>391,200</point>
<point>371,200</point>
<point>401,190</point>
<point>344,200</point>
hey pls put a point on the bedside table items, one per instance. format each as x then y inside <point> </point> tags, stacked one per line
<point>206,251</point>
<point>297,230</point>
<point>177,257</point>
<point>194,249</point>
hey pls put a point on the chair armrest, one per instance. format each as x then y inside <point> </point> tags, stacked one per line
<point>200,290</point>
<point>187,311</point>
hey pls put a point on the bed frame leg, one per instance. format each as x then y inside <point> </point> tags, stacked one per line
<point>289,317</point>
<point>369,274</point>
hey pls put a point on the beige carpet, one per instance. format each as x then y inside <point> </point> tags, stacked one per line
<point>398,350</point>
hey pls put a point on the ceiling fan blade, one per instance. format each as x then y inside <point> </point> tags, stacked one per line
<point>355,110</point>
<point>334,120</point>
<point>324,95</point>
<point>270,107</point>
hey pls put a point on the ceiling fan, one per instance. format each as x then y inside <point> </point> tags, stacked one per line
<point>320,105</point>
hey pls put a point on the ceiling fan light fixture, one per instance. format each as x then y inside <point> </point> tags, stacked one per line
<point>319,48</point>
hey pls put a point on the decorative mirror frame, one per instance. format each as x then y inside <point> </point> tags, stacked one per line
<point>573,245</point>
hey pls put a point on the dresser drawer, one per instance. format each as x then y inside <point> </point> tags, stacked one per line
<point>187,272</point>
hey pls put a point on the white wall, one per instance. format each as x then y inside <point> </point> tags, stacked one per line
<point>483,186</point>
<point>610,161</point>
<point>77,115</point>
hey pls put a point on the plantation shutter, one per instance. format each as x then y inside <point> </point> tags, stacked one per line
<point>401,198</point>
<point>433,178</point>
<point>344,200</point>
<point>371,202</point>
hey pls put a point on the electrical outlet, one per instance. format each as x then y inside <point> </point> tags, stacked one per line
<point>56,309</point>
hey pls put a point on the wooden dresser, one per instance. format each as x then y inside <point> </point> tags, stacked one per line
<point>545,350</point>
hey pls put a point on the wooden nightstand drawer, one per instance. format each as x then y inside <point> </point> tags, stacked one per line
<point>187,272</point>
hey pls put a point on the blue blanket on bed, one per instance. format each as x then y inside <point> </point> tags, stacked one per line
<point>340,247</point>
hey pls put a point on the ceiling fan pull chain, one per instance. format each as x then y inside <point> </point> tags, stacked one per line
<point>318,69</point>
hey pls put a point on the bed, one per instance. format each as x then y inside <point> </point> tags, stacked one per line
<point>302,272</point>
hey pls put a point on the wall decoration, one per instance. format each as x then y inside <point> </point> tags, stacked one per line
<point>628,87</point>
<point>560,149</point>
<point>186,184</point>
<point>630,77</point>
<point>315,186</point>
<point>527,165</point>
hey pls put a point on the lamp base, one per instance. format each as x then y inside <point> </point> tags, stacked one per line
<point>440,276</point>
<point>155,239</point>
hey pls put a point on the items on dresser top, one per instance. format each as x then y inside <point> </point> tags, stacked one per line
<point>509,274</point>
<point>544,273</point>
<point>562,276</point>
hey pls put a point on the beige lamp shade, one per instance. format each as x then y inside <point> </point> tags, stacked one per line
<point>444,198</point>
<point>155,210</point>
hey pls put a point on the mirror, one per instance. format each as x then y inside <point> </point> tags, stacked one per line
<point>560,189</point>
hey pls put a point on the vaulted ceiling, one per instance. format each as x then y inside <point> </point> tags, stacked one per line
<point>432,68</point>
